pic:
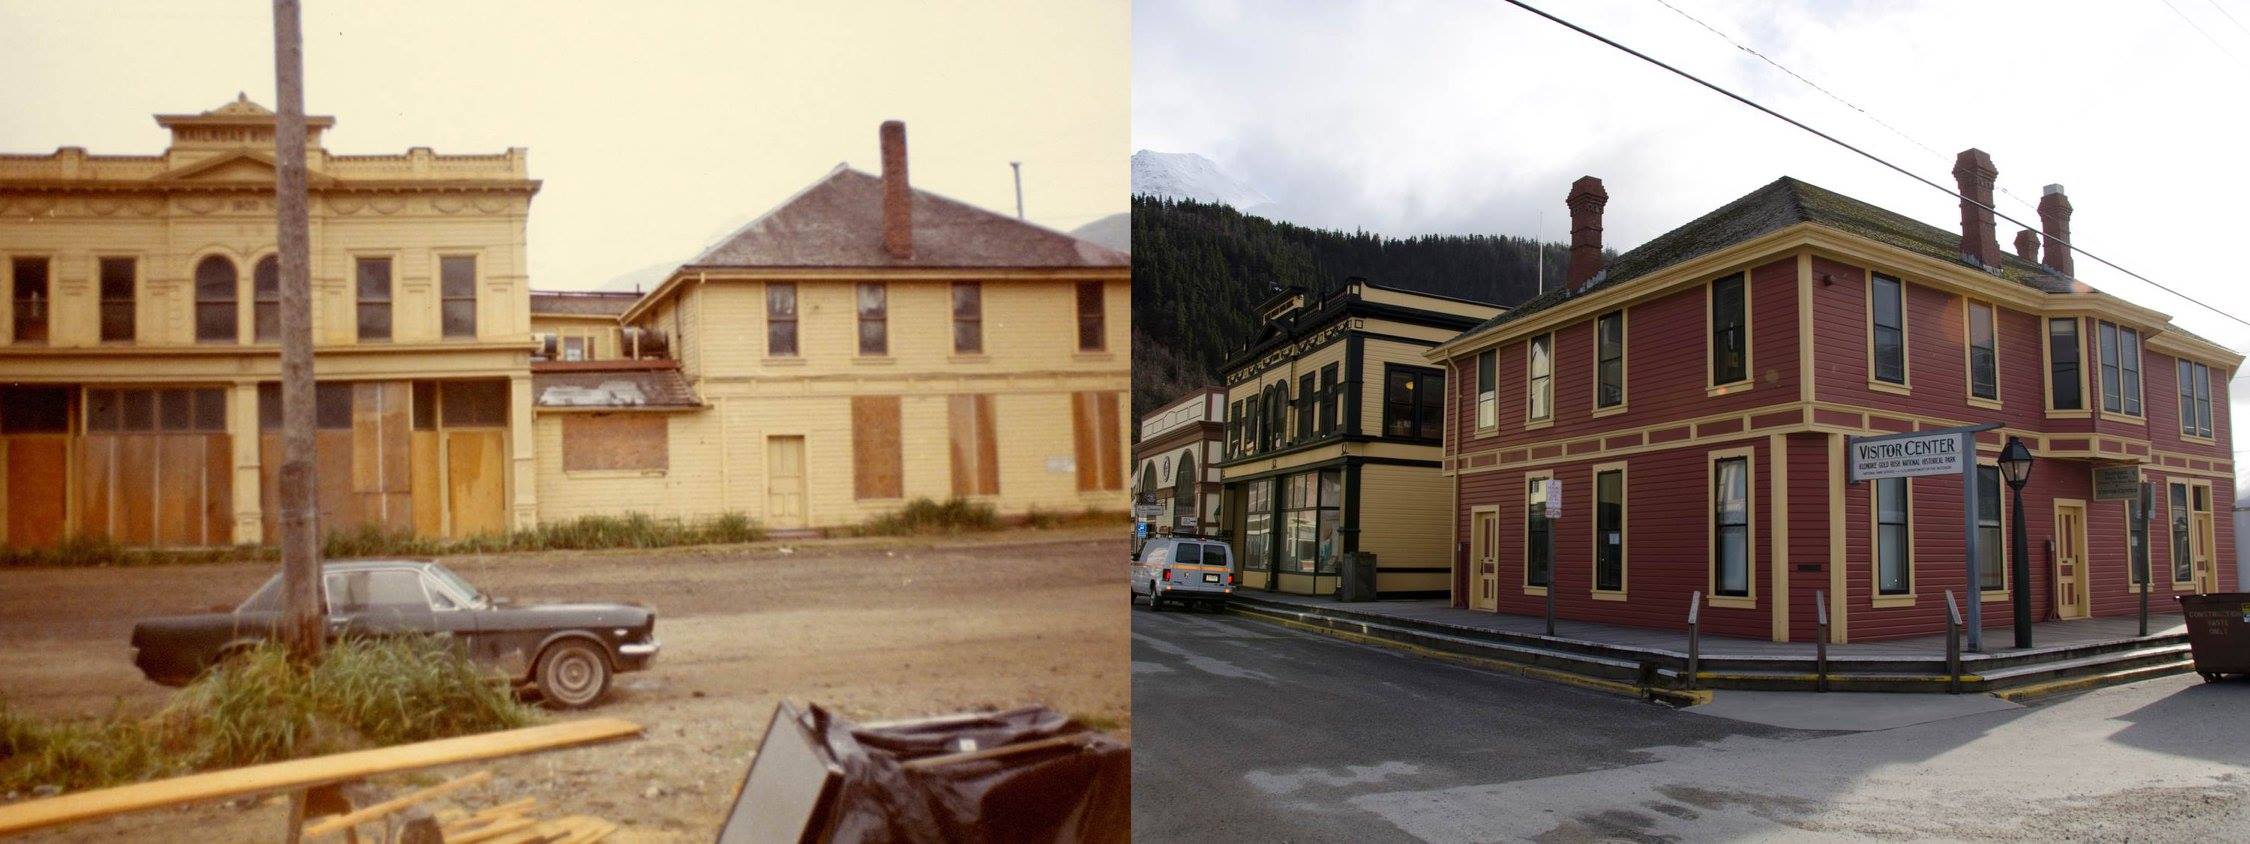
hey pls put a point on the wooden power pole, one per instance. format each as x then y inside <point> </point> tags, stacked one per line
<point>304,622</point>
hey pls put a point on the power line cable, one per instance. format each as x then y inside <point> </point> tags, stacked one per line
<point>2206,34</point>
<point>2230,16</point>
<point>1940,154</point>
<point>1862,153</point>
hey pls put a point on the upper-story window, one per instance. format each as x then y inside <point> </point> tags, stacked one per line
<point>1413,402</point>
<point>265,290</point>
<point>1253,421</point>
<point>457,292</point>
<point>1092,329</point>
<point>215,292</point>
<point>2121,369</point>
<point>968,317</point>
<point>1609,360</point>
<point>29,291</point>
<point>1328,395</point>
<point>1888,315</point>
<point>781,319</point>
<point>1730,332</point>
<point>1984,353</point>
<point>1308,401</point>
<point>1540,391</point>
<point>2195,399</point>
<point>1234,428</point>
<point>1488,407</point>
<point>117,299</point>
<point>874,319</point>
<point>2066,384</point>
<point>374,286</point>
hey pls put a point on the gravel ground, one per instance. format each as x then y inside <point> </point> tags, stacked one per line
<point>876,629</point>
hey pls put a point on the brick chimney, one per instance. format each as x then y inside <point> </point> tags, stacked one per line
<point>2027,245</point>
<point>898,198</point>
<point>2054,218</point>
<point>1974,174</point>
<point>1586,200</point>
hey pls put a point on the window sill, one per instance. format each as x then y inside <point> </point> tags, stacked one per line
<point>1608,411</point>
<point>1608,596</point>
<point>1989,404</point>
<point>1093,357</point>
<point>874,360</point>
<point>614,473</point>
<point>1534,425</point>
<point>1729,389</point>
<point>784,360</point>
<point>1735,602</point>
<point>2068,414</point>
<point>1888,387</point>
<point>968,357</point>
<point>2191,438</point>
<point>1535,590</point>
<point>1889,601</point>
<point>1993,596</point>
<point>2110,416</point>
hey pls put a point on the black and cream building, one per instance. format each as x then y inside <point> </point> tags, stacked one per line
<point>1334,424</point>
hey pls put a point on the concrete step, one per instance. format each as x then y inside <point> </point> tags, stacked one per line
<point>2084,682</point>
<point>2091,664</point>
<point>1606,668</point>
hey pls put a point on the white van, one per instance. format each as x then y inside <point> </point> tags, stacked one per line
<point>1183,570</point>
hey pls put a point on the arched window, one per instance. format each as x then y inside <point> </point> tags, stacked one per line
<point>215,294</point>
<point>265,285</point>
<point>1148,478</point>
<point>1184,489</point>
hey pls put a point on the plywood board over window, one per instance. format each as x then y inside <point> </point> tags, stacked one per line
<point>1094,428</point>
<point>878,468</point>
<point>976,452</point>
<point>615,442</point>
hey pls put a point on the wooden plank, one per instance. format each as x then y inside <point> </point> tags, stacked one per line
<point>1108,441</point>
<point>488,833</point>
<point>302,773</point>
<point>615,442</point>
<point>1082,438</point>
<point>476,481</point>
<point>218,489</point>
<point>988,447</point>
<point>393,805</point>
<point>136,489</point>
<point>96,475</point>
<point>425,479</point>
<point>877,463</point>
<point>179,486</point>
<point>338,504</point>
<point>37,464</point>
<point>961,436</point>
<point>269,484</point>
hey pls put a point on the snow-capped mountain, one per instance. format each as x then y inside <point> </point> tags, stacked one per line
<point>1186,175</point>
<point>1114,231</point>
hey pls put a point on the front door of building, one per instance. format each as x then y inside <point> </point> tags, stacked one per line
<point>2070,559</point>
<point>1484,557</point>
<point>2200,541</point>
<point>785,481</point>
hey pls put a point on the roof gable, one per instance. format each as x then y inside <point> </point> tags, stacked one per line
<point>838,222</point>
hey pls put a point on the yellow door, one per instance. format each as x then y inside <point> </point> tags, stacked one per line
<point>785,481</point>
<point>2070,559</point>
<point>1484,544</point>
<point>476,481</point>
<point>2200,537</point>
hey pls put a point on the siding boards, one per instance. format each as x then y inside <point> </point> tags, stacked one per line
<point>877,470</point>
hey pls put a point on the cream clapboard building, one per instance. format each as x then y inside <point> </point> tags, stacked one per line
<point>137,358</point>
<point>861,345</point>
<point>858,346</point>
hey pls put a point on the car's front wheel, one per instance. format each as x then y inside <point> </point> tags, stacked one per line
<point>572,674</point>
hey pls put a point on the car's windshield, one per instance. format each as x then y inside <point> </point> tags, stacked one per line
<point>454,582</point>
<point>266,599</point>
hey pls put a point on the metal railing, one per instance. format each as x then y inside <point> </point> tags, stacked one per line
<point>1694,638</point>
<point>1952,644</point>
<point>1820,643</point>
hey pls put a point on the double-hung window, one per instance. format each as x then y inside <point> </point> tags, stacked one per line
<point>1984,354</point>
<point>1609,530</point>
<point>2121,369</point>
<point>28,289</point>
<point>1730,332</point>
<point>1091,323</point>
<point>1730,527</point>
<point>374,309</point>
<point>874,319</point>
<point>1992,572</point>
<point>457,282</point>
<point>215,297</point>
<point>2195,399</point>
<point>1609,360</point>
<point>265,291</point>
<point>1308,401</point>
<point>2066,383</point>
<point>1888,314</point>
<point>1540,393</point>
<point>781,319</point>
<point>1328,394</point>
<point>2183,560</point>
<point>117,300</point>
<point>968,317</point>
<point>1894,537</point>
<point>1413,403</point>
<point>1488,408</point>
<point>1538,570</point>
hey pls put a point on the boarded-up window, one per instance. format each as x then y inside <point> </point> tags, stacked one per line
<point>1094,428</point>
<point>615,441</point>
<point>877,466</point>
<point>976,454</point>
<point>474,404</point>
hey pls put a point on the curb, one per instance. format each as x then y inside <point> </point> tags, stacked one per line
<point>2067,685</point>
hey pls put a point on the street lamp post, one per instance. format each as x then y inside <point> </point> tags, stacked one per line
<point>2015,466</point>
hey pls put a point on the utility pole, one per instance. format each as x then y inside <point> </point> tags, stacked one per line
<point>303,623</point>
<point>1018,167</point>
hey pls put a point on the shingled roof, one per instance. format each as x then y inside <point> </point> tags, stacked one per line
<point>582,303</point>
<point>654,387</point>
<point>1784,202</point>
<point>838,222</point>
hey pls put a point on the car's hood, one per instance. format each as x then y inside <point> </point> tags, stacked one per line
<point>621,615</point>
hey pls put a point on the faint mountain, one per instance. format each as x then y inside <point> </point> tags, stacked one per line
<point>1186,175</point>
<point>1114,231</point>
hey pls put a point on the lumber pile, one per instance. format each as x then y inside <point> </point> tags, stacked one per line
<point>507,823</point>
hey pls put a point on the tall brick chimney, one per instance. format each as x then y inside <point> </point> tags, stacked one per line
<point>1586,200</point>
<point>898,198</point>
<point>1974,174</point>
<point>2027,245</point>
<point>2054,218</point>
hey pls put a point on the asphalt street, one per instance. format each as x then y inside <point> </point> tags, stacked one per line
<point>1248,731</point>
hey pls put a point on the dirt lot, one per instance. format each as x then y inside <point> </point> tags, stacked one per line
<point>877,629</point>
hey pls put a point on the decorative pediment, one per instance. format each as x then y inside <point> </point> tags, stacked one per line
<point>242,166</point>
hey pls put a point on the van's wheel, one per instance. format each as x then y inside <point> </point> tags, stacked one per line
<point>1155,602</point>
<point>2209,677</point>
<point>572,675</point>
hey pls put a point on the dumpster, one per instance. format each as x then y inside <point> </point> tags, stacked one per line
<point>2218,632</point>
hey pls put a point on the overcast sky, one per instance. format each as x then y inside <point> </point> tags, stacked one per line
<point>1451,116</point>
<point>657,127</point>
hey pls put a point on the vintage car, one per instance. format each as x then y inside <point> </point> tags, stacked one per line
<point>568,652</point>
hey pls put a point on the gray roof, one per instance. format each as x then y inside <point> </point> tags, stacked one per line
<point>582,303</point>
<point>838,222</point>
<point>613,388</point>
<point>1784,203</point>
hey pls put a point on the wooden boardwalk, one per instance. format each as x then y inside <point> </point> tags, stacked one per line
<point>1999,640</point>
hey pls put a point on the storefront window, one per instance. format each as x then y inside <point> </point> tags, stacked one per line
<point>1257,527</point>
<point>1311,504</point>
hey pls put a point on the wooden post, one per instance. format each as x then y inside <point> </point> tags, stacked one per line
<point>1820,641</point>
<point>304,623</point>
<point>1952,644</point>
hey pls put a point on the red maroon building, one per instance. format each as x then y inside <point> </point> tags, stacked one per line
<point>1694,397</point>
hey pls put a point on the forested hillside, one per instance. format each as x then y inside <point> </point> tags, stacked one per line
<point>1198,269</point>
